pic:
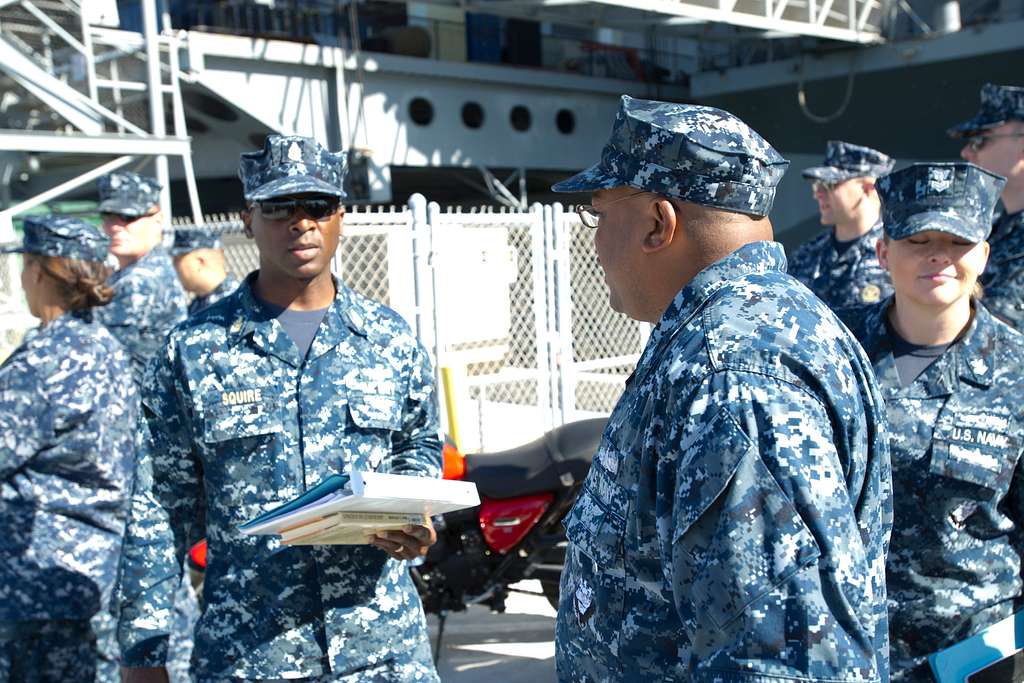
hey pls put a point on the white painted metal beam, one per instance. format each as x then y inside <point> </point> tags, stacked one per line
<point>770,19</point>
<point>39,141</point>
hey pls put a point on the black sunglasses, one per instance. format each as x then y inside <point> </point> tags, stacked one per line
<point>317,208</point>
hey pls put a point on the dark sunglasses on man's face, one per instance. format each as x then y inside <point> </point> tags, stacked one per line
<point>317,208</point>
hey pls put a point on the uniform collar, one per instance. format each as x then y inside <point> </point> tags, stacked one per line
<point>972,358</point>
<point>750,259</point>
<point>253,321</point>
<point>862,246</point>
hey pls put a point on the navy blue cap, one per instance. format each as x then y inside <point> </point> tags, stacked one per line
<point>999,104</point>
<point>957,198</point>
<point>844,160</point>
<point>290,165</point>
<point>54,235</point>
<point>698,154</point>
<point>189,239</point>
<point>128,194</point>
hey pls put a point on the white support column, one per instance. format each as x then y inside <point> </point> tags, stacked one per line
<point>551,299</point>
<point>563,294</point>
<point>156,101</point>
<point>541,303</point>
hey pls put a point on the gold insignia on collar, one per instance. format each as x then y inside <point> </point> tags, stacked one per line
<point>870,294</point>
<point>236,326</point>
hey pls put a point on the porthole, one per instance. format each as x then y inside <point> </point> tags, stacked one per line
<point>520,118</point>
<point>421,111</point>
<point>472,115</point>
<point>565,120</point>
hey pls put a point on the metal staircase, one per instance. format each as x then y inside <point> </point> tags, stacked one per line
<point>78,100</point>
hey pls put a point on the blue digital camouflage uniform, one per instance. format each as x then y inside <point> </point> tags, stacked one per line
<point>239,422</point>
<point>148,298</point>
<point>849,276</point>
<point>187,240</point>
<point>957,437</point>
<point>1004,276</point>
<point>148,302</point>
<point>67,419</point>
<point>734,524</point>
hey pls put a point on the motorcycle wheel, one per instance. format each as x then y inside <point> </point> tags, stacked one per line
<point>551,592</point>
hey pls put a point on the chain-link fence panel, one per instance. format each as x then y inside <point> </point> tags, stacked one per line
<point>606,344</point>
<point>489,308</point>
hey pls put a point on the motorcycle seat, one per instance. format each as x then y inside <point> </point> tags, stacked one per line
<point>540,465</point>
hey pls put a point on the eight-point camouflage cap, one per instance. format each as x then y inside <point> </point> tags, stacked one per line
<point>128,194</point>
<point>53,235</point>
<point>189,239</point>
<point>957,198</point>
<point>844,160</point>
<point>698,154</point>
<point>291,165</point>
<point>999,104</point>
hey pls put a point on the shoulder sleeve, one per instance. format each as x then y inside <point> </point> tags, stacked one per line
<point>764,533</point>
<point>416,449</point>
<point>26,415</point>
<point>164,514</point>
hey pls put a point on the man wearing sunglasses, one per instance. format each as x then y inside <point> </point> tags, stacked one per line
<point>198,257</point>
<point>840,265</point>
<point>288,380</point>
<point>148,299</point>
<point>734,522</point>
<point>994,140</point>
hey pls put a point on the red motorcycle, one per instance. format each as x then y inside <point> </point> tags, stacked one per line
<point>516,533</point>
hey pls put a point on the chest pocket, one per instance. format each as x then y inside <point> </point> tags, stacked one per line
<point>248,421</point>
<point>375,411</point>
<point>737,536</point>
<point>976,448</point>
<point>593,585</point>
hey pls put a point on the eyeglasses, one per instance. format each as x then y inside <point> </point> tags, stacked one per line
<point>976,142</point>
<point>591,217</point>
<point>318,208</point>
<point>822,186</point>
<point>124,219</point>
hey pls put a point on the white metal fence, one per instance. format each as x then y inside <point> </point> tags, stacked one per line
<point>512,304</point>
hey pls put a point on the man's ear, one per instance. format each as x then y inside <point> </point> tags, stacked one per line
<point>662,230</point>
<point>247,222</point>
<point>882,251</point>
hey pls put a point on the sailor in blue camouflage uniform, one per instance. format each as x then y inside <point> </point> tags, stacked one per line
<point>840,265</point>
<point>67,423</point>
<point>198,255</point>
<point>994,140</point>
<point>148,302</point>
<point>290,379</point>
<point>148,298</point>
<point>952,376</point>
<point>734,523</point>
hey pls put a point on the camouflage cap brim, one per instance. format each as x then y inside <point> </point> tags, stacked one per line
<point>594,178</point>
<point>124,207</point>
<point>829,174</point>
<point>941,221</point>
<point>294,185</point>
<point>980,123</point>
<point>13,249</point>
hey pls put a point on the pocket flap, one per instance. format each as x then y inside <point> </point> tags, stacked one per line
<point>595,529</point>
<point>224,423</point>
<point>375,411</point>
